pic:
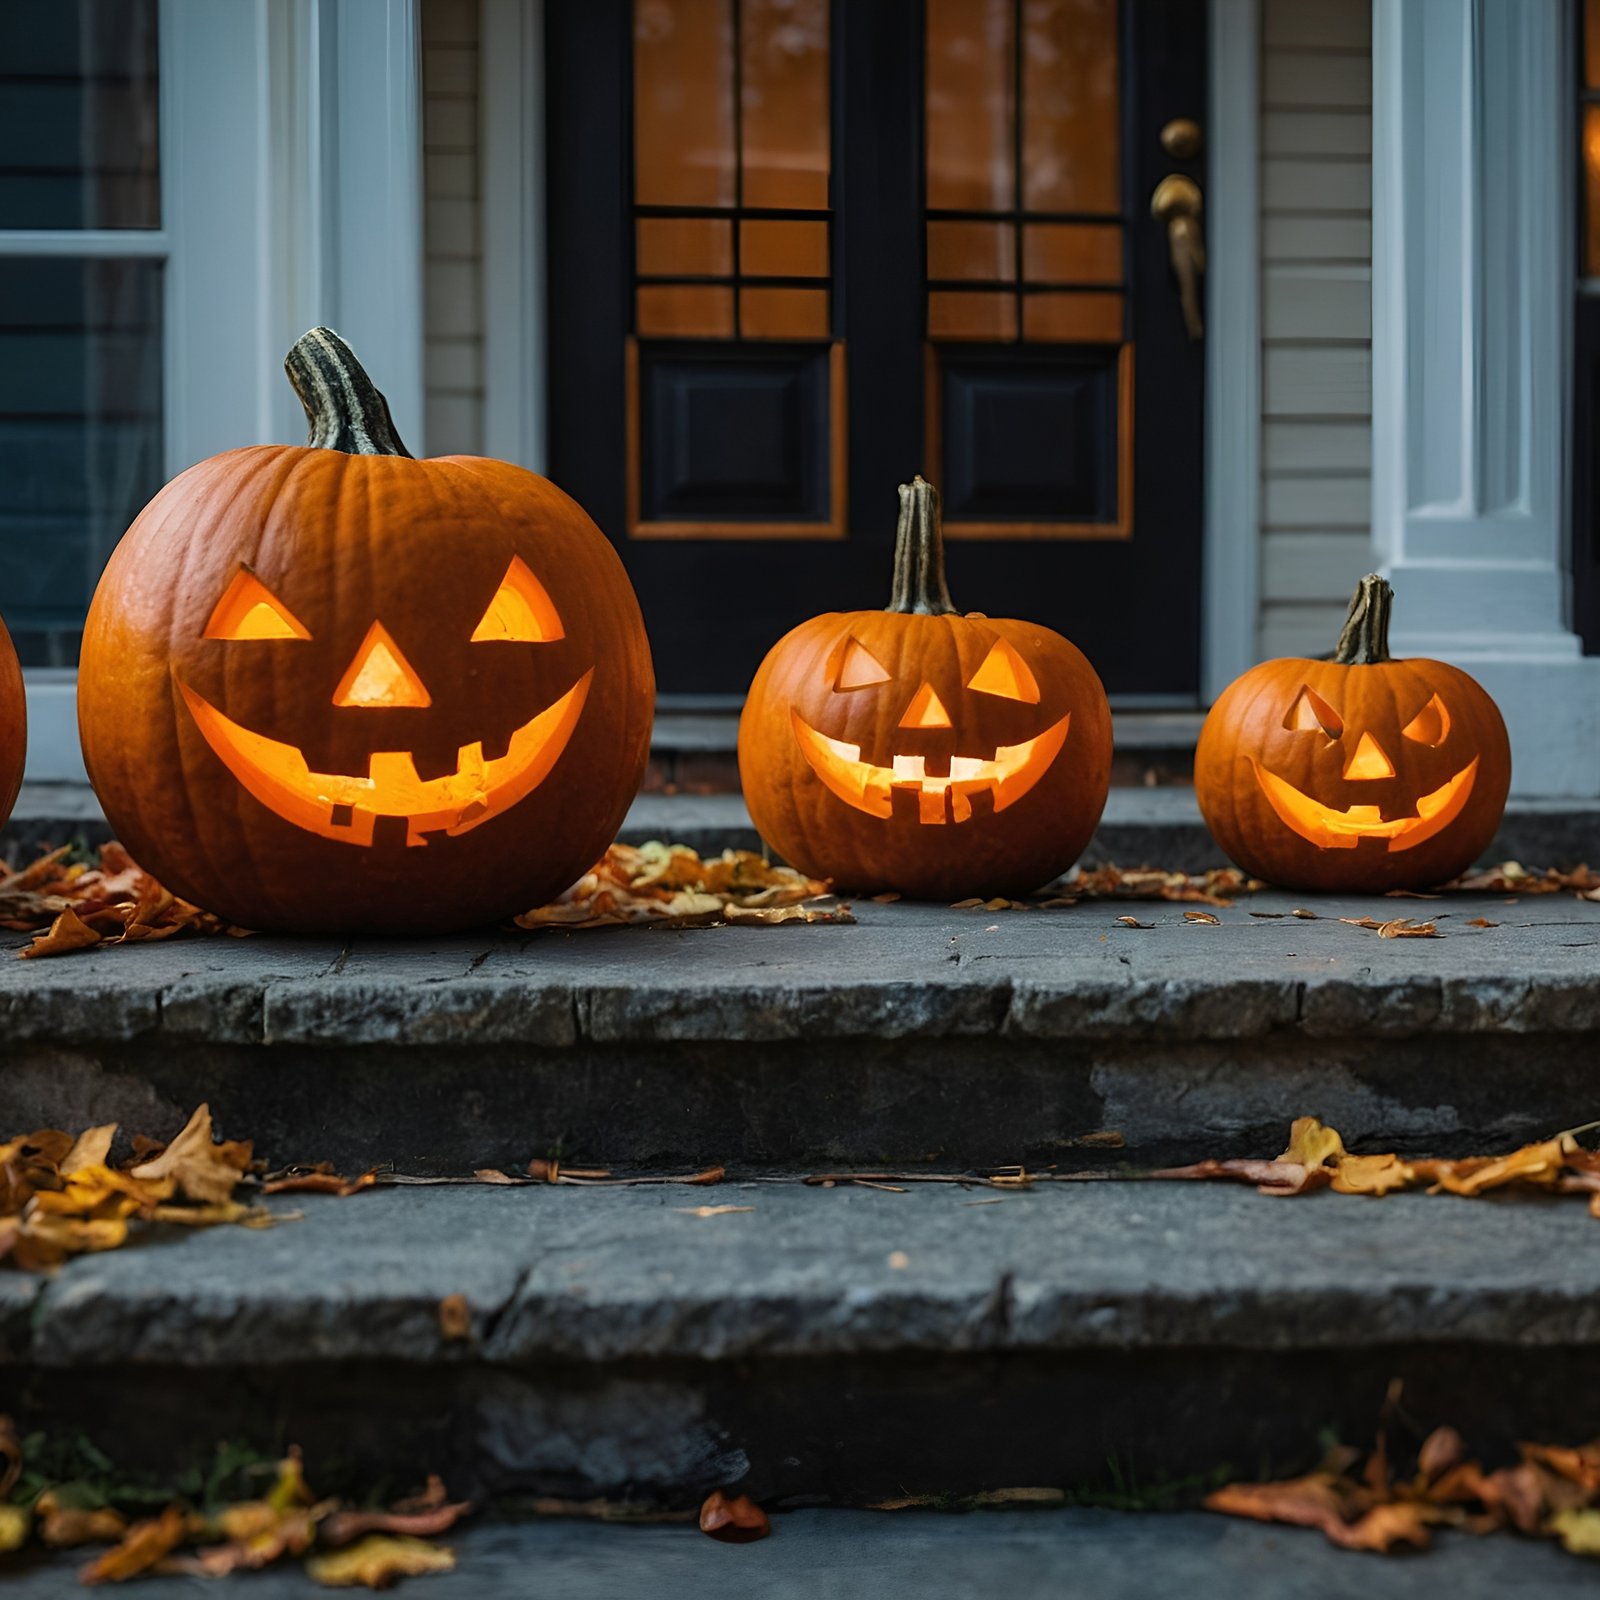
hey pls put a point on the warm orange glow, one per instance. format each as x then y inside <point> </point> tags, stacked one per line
<point>1343,830</point>
<point>1369,761</point>
<point>250,610</point>
<point>1310,713</point>
<point>1431,725</point>
<point>859,669</point>
<point>1008,775</point>
<point>1005,673</point>
<point>520,611</point>
<point>380,676</point>
<point>338,806</point>
<point>926,710</point>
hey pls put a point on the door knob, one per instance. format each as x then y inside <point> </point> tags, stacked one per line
<point>1177,201</point>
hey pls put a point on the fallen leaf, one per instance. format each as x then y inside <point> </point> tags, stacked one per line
<point>204,1170</point>
<point>91,1148</point>
<point>1578,1529</point>
<point>345,1527</point>
<point>16,1523</point>
<point>710,1211</point>
<point>1303,914</point>
<point>320,1179</point>
<point>1202,916</point>
<point>1313,1144</point>
<point>1371,1174</point>
<point>1481,922</point>
<point>144,1544</point>
<point>62,1527</point>
<point>377,1561</point>
<point>455,1318</point>
<point>1318,1501</point>
<point>1134,922</point>
<point>734,1521</point>
<point>66,934</point>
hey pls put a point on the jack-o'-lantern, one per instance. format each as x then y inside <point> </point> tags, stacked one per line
<point>334,688</point>
<point>921,750</point>
<point>1358,773</point>
<point>13,725</point>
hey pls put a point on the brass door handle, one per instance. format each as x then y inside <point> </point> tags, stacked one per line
<point>1177,201</point>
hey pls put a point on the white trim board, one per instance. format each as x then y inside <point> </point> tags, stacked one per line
<point>1231,581</point>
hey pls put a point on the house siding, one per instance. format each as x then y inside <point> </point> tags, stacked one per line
<point>453,233</point>
<point>1316,317</point>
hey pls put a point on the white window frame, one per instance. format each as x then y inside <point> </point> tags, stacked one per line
<point>291,195</point>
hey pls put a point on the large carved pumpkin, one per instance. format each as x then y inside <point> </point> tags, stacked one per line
<point>920,750</point>
<point>334,688</point>
<point>13,725</point>
<point>1359,773</point>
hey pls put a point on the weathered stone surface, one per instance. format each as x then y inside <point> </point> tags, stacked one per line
<point>629,1275</point>
<point>863,1555</point>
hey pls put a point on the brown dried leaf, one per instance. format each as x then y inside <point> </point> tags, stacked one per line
<point>144,1544</point>
<point>1319,1501</point>
<point>67,933</point>
<point>455,1318</point>
<point>1481,922</point>
<point>738,1520</point>
<point>1202,916</point>
<point>203,1170</point>
<point>62,1527</point>
<point>711,1211</point>
<point>344,1527</point>
<point>1134,922</point>
<point>320,1180</point>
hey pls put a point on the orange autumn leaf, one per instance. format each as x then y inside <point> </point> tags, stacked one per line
<point>202,1169</point>
<point>144,1544</point>
<point>1371,1174</point>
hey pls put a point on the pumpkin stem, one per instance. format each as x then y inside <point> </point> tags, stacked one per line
<point>1365,639</point>
<point>343,405</point>
<point>919,584</point>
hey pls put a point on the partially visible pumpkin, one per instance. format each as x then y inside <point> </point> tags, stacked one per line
<point>13,725</point>
<point>919,750</point>
<point>1360,773</point>
<point>331,688</point>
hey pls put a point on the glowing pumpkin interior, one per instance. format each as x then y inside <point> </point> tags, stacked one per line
<point>379,677</point>
<point>1368,761</point>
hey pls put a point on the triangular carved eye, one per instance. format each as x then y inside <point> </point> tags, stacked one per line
<point>1310,713</point>
<point>1431,725</point>
<point>859,668</point>
<point>250,610</point>
<point>520,612</point>
<point>1006,674</point>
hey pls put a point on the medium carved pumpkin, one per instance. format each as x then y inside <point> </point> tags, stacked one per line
<point>333,688</point>
<point>1359,773</point>
<point>920,750</point>
<point>13,725</point>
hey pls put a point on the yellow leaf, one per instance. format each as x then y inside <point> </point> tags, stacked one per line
<point>203,1170</point>
<point>378,1560</point>
<point>1578,1530</point>
<point>16,1522</point>
<point>1313,1144</point>
<point>1371,1174</point>
<point>1537,1164</point>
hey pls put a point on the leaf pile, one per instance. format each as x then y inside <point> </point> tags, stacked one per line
<point>114,902</point>
<point>342,1547</point>
<point>1363,1504</point>
<point>671,885</point>
<point>60,1197</point>
<point>1511,877</point>
<point>1317,1159</point>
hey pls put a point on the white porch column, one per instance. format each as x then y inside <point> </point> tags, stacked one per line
<point>1471,291</point>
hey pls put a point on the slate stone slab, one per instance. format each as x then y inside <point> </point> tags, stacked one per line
<point>861,1555</point>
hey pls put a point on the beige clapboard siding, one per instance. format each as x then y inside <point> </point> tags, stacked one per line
<point>452,228</point>
<point>1316,317</point>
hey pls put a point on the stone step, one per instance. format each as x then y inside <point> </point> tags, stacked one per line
<point>1141,826</point>
<point>863,1555</point>
<point>919,1034</point>
<point>844,1345</point>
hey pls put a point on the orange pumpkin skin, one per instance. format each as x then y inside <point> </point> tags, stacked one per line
<point>1358,775</point>
<point>13,725</point>
<point>989,830</point>
<point>400,817</point>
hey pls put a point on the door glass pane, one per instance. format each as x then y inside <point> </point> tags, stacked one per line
<point>770,248</point>
<point>683,139</point>
<point>983,250</point>
<point>80,434</point>
<point>79,141</point>
<point>679,247</point>
<point>971,105</point>
<point>1065,252</point>
<point>783,313</point>
<point>1070,318</point>
<point>783,57</point>
<point>1591,44</point>
<point>1069,105</point>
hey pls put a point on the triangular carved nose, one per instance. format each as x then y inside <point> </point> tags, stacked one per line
<point>1369,761</point>
<point>380,675</point>
<point>926,710</point>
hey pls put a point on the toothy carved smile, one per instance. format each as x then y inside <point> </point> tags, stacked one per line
<point>1008,775</point>
<point>1343,830</point>
<point>339,806</point>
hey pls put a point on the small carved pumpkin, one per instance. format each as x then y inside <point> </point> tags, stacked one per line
<point>13,725</point>
<point>331,688</point>
<point>1359,773</point>
<point>919,750</point>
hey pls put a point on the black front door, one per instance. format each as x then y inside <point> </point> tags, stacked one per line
<point>799,251</point>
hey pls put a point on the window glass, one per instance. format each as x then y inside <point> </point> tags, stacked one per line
<point>78,114</point>
<point>80,434</point>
